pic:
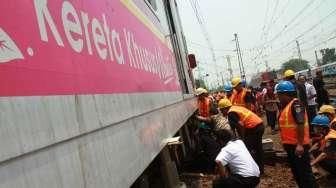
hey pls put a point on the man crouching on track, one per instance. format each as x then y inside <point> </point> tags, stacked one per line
<point>249,126</point>
<point>327,146</point>
<point>235,164</point>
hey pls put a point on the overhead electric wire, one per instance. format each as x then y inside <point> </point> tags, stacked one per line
<point>207,47</point>
<point>310,29</point>
<point>282,11</point>
<point>289,23</point>
<point>317,24</point>
<point>307,40</point>
<point>319,36</point>
<point>308,15</point>
<point>265,19</point>
<point>200,18</point>
<point>272,17</point>
<point>269,26</point>
<point>318,44</point>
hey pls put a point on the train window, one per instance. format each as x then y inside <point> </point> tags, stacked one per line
<point>152,4</point>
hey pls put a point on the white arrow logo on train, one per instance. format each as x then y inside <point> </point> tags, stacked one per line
<point>8,49</point>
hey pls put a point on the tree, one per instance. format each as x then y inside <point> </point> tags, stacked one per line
<point>328,55</point>
<point>295,65</point>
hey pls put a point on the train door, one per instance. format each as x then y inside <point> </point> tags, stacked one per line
<point>178,45</point>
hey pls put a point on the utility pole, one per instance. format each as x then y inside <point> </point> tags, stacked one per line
<point>221,74</point>
<point>317,60</point>
<point>240,60</point>
<point>229,66</point>
<point>216,67</point>
<point>298,48</point>
<point>267,66</point>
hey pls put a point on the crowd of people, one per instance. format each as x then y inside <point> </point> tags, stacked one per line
<point>231,128</point>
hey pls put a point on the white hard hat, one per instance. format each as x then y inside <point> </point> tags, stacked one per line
<point>200,91</point>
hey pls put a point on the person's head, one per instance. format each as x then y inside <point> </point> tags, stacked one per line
<point>224,106</point>
<point>328,110</point>
<point>228,89</point>
<point>319,73</point>
<point>223,137</point>
<point>321,124</point>
<point>289,75</point>
<point>302,79</point>
<point>201,93</point>
<point>237,83</point>
<point>286,92</point>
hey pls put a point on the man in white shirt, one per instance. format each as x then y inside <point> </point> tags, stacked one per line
<point>235,165</point>
<point>311,95</point>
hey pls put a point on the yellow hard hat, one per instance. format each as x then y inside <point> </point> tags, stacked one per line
<point>224,103</point>
<point>235,81</point>
<point>327,109</point>
<point>289,73</point>
<point>200,91</point>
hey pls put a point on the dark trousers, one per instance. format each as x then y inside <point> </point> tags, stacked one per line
<point>236,181</point>
<point>271,118</point>
<point>253,142</point>
<point>311,115</point>
<point>300,167</point>
<point>329,165</point>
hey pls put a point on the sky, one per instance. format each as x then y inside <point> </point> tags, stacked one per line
<point>267,32</point>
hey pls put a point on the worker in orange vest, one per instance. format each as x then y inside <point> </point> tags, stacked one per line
<point>204,105</point>
<point>206,142</point>
<point>228,91</point>
<point>249,126</point>
<point>241,96</point>
<point>294,132</point>
<point>327,147</point>
<point>203,102</point>
<point>329,111</point>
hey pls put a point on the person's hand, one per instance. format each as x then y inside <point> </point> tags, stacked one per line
<point>299,150</point>
<point>314,147</point>
<point>315,170</point>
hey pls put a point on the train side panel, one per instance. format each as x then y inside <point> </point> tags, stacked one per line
<point>89,91</point>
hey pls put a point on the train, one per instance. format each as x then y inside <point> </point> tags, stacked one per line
<point>90,91</point>
<point>328,70</point>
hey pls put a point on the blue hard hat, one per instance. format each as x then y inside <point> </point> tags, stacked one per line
<point>321,121</point>
<point>227,87</point>
<point>285,86</point>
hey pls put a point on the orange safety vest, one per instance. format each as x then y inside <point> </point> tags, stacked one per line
<point>288,126</point>
<point>239,98</point>
<point>330,135</point>
<point>204,107</point>
<point>230,98</point>
<point>246,116</point>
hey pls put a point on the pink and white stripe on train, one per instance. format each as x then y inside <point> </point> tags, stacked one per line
<point>70,47</point>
